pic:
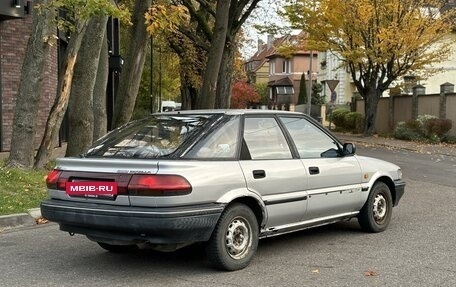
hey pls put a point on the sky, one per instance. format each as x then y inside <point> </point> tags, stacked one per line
<point>265,14</point>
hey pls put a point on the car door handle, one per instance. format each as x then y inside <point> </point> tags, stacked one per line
<point>259,173</point>
<point>314,170</point>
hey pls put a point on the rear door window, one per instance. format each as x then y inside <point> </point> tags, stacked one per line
<point>264,139</point>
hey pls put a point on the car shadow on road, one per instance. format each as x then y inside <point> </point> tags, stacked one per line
<point>191,260</point>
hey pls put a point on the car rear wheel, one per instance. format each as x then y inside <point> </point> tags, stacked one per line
<point>117,248</point>
<point>376,212</point>
<point>235,238</point>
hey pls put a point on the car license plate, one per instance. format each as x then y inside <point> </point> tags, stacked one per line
<point>96,189</point>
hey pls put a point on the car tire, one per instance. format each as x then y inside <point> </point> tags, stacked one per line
<point>235,238</point>
<point>375,215</point>
<point>117,248</point>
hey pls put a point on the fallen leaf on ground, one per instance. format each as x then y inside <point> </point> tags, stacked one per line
<point>41,220</point>
<point>370,273</point>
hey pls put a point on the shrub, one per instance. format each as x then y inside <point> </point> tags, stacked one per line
<point>338,117</point>
<point>347,121</point>
<point>408,131</point>
<point>425,128</point>
<point>449,139</point>
<point>437,127</point>
<point>354,122</point>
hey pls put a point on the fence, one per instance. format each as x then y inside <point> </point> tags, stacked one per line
<point>399,108</point>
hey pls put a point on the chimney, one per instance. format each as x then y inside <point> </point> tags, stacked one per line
<point>260,44</point>
<point>270,40</point>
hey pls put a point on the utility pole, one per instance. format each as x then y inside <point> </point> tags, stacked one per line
<point>151,74</point>
<point>309,94</point>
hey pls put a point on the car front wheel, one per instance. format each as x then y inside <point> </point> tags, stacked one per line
<point>376,212</point>
<point>235,238</point>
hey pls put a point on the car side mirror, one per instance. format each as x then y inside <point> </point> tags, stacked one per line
<point>349,149</point>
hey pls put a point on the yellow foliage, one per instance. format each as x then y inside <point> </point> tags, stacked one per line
<point>165,18</point>
<point>391,34</point>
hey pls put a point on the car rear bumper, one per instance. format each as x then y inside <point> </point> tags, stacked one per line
<point>399,187</point>
<point>134,224</point>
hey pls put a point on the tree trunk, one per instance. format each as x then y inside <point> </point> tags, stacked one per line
<point>63,94</point>
<point>370,110</point>
<point>80,105</point>
<point>130,77</point>
<point>100,119</point>
<point>188,96</point>
<point>225,78</point>
<point>28,98</point>
<point>208,91</point>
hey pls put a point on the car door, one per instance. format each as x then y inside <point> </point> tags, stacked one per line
<point>271,171</point>
<point>333,182</point>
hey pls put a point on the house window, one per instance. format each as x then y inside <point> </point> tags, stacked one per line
<point>286,66</point>
<point>284,90</point>
<point>272,68</point>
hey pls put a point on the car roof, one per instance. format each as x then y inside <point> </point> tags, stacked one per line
<point>230,112</point>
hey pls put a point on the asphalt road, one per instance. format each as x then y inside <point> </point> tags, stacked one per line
<point>418,249</point>
<point>439,169</point>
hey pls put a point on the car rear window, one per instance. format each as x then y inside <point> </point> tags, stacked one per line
<point>152,137</point>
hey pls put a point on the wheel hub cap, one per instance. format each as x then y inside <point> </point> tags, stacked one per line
<point>379,207</point>
<point>238,238</point>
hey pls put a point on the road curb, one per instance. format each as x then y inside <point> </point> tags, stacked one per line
<point>20,219</point>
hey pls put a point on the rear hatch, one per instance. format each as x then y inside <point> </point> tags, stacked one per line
<point>127,159</point>
<point>120,172</point>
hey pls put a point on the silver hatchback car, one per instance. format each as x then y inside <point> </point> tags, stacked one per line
<point>223,177</point>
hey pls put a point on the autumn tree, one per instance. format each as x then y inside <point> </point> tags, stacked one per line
<point>100,118</point>
<point>243,94</point>
<point>210,37</point>
<point>79,12</point>
<point>130,78</point>
<point>170,23</point>
<point>378,40</point>
<point>240,11</point>
<point>215,54</point>
<point>80,105</point>
<point>24,123</point>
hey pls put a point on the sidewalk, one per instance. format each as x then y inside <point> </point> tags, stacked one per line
<point>440,149</point>
<point>32,215</point>
<point>57,152</point>
<point>20,219</point>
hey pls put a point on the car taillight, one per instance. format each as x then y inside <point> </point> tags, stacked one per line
<point>53,180</point>
<point>158,185</point>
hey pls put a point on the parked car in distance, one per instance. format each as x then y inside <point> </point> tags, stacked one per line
<point>224,177</point>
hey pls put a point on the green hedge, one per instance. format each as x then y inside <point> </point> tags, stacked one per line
<point>346,121</point>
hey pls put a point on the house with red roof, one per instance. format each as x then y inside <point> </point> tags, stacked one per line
<point>282,70</point>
